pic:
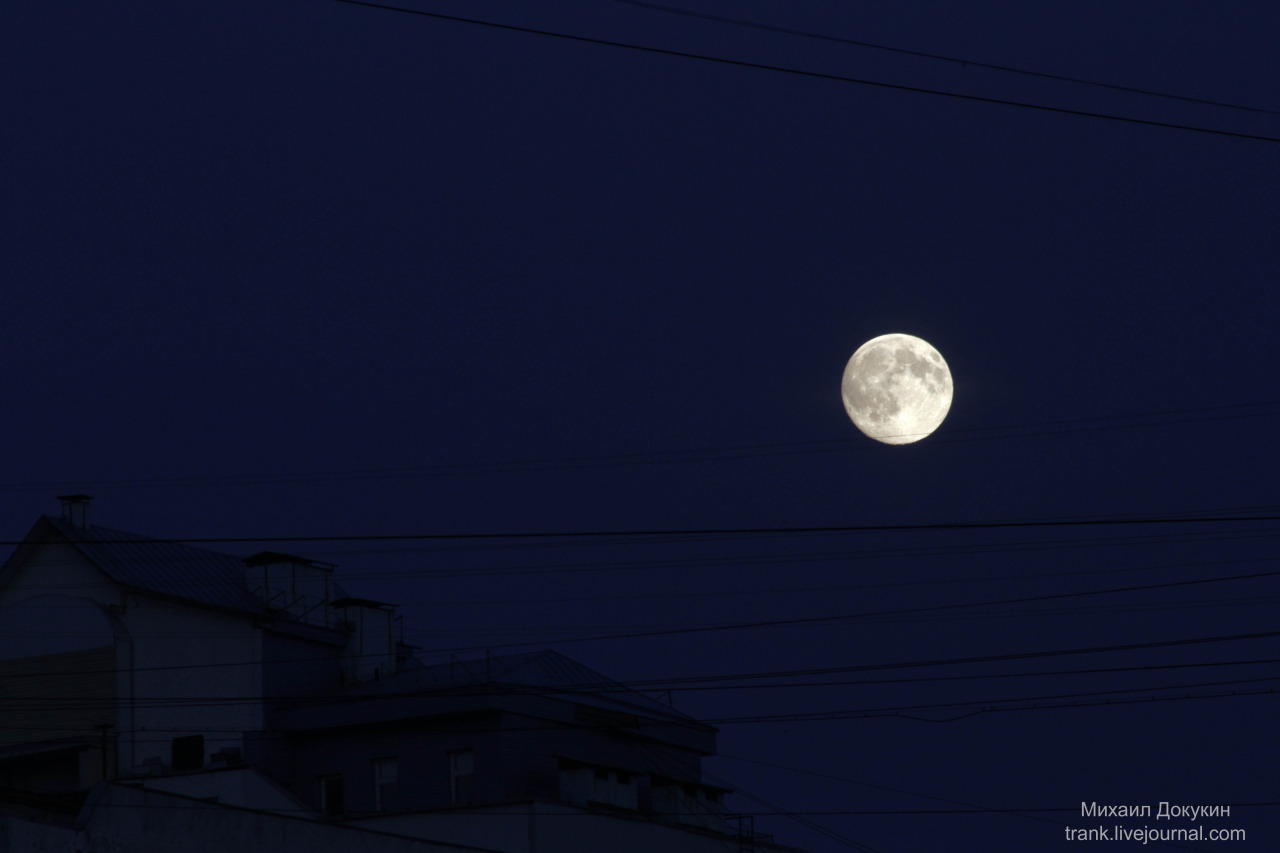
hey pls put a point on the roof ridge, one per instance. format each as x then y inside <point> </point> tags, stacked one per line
<point>161,566</point>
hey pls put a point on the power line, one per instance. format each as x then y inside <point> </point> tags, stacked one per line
<point>1095,698</point>
<point>626,689</point>
<point>925,679</point>
<point>203,804</point>
<point>840,78</point>
<point>1028,813</point>
<point>777,559</point>
<point>969,808</point>
<point>793,815</point>
<point>670,683</point>
<point>493,636</point>
<point>682,563</point>
<point>419,638</point>
<point>704,532</point>
<point>703,454</point>
<point>841,617</point>
<point>968,63</point>
<point>649,726</point>
<point>770,560</point>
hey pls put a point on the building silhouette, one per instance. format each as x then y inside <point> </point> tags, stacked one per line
<point>155,694</point>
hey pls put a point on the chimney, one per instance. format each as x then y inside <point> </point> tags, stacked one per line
<point>75,510</point>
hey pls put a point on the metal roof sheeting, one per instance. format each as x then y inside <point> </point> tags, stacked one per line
<point>173,568</point>
<point>167,568</point>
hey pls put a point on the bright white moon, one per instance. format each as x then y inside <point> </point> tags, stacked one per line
<point>897,389</point>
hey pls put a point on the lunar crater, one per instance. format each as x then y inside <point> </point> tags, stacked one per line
<point>897,388</point>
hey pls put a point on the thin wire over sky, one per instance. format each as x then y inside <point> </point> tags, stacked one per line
<point>819,75</point>
<point>966,63</point>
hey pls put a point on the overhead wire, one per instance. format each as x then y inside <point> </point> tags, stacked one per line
<point>672,682</point>
<point>204,804</point>
<point>966,63</point>
<point>819,75</point>
<point>969,807</point>
<point>626,689</point>
<point>422,638</point>
<point>679,533</point>
<point>860,615</point>
<point>1114,698</point>
<point>755,557</point>
<point>841,617</point>
<point>703,454</point>
<point>1056,701</point>
<point>797,589</point>
<point>570,540</point>
<point>51,704</point>
<point>1035,814</point>
<point>793,815</point>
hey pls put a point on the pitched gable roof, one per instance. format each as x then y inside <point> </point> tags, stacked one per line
<point>153,565</point>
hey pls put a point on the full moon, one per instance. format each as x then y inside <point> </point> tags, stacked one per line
<point>897,389</point>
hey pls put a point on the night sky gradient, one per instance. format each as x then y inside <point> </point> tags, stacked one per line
<point>301,269</point>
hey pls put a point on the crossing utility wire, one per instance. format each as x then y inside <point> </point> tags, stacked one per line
<point>817,75</point>
<point>842,617</point>
<point>914,712</point>
<point>966,63</point>
<point>712,532</point>
<point>671,683</point>
<point>1000,432</point>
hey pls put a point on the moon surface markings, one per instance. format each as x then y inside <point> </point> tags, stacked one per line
<point>897,388</point>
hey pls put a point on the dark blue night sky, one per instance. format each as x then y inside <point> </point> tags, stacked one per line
<point>291,269</point>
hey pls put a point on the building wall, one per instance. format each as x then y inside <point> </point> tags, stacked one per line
<point>174,663</point>
<point>294,665</point>
<point>53,771</point>
<point>516,757</point>
<point>193,669</point>
<point>121,819</point>
<point>59,695</point>
<point>302,663</point>
<point>532,750</point>
<point>422,756</point>
<point>56,601</point>
<point>58,666</point>
<point>552,828</point>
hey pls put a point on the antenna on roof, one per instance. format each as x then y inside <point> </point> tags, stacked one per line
<point>75,510</point>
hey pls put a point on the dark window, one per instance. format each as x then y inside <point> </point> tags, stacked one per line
<point>386,783</point>
<point>462,774</point>
<point>332,800</point>
<point>188,752</point>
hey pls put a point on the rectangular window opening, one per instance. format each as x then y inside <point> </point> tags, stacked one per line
<point>332,799</point>
<point>462,772</point>
<point>386,784</point>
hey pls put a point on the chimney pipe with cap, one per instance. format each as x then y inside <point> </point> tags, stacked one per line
<point>75,509</point>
